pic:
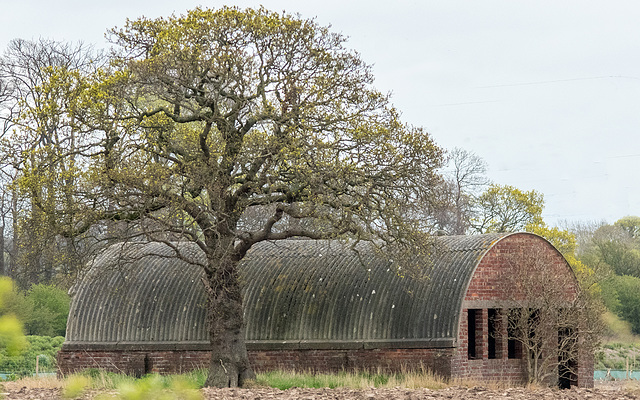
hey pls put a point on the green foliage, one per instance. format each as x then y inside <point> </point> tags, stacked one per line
<point>184,386</point>
<point>356,380</point>
<point>75,386</point>
<point>50,310</point>
<point>156,387</point>
<point>43,310</point>
<point>623,297</point>
<point>150,387</point>
<point>616,355</point>
<point>561,239</point>
<point>631,225</point>
<point>507,209</point>
<point>15,303</point>
<point>286,380</point>
<point>12,340</point>
<point>613,253</point>
<point>25,362</point>
<point>623,258</point>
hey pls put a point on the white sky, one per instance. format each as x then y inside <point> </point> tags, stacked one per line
<point>547,92</point>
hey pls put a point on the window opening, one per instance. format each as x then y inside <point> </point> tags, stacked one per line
<point>472,333</point>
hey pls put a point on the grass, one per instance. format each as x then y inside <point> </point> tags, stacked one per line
<point>185,386</point>
<point>618,331</point>
<point>355,380</point>
<point>619,345</point>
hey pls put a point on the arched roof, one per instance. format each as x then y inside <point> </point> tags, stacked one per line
<point>297,293</point>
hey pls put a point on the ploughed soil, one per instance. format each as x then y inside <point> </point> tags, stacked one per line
<point>606,391</point>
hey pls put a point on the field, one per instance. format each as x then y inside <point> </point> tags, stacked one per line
<point>51,388</point>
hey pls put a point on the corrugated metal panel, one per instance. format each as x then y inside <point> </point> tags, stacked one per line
<point>318,290</point>
<point>296,290</point>
<point>139,293</point>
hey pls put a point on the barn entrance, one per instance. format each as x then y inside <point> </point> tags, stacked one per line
<point>567,363</point>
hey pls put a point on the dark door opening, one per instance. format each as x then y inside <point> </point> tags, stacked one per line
<point>567,363</point>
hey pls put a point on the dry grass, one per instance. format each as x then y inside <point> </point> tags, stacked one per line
<point>367,379</point>
<point>75,385</point>
<point>354,380</point>
<point>46,382</point>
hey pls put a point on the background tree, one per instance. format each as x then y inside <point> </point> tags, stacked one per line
<point>41,80</point>
<point>631,225</point>
<point>50,307</point>
<point>464,176</point>
<point>614,250</point>
<point>6,173</point>
<point>506,209</point>
<point>203,118</point>
<point>622,296</point>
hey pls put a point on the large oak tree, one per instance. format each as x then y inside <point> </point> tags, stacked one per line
<point>229,127</point>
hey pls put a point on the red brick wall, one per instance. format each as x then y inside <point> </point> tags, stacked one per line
<point>138,362</point>
<point>132,362</point>
<point>491,280</point>
<point>492,286</point>
<point>389,360</point>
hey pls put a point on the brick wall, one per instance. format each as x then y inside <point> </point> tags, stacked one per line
<point>389,360</point>
<point>139,362</point>
<point>133,362</point>
<point>493,286</point>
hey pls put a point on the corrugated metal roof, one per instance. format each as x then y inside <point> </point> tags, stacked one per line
<point>295,290</point>
<point>139,293</point>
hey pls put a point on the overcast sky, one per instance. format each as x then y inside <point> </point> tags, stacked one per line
<point>547,92</point>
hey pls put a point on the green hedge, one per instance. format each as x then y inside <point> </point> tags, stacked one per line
<point>25,364</point>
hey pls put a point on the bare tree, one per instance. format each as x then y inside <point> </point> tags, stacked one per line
<point>464,178</point>
<point>551,323</point>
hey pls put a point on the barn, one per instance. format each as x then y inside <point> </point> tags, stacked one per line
<point>324,306</point>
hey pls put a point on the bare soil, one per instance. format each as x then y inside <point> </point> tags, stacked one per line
<point>607,391</point>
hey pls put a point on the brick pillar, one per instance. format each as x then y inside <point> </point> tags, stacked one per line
<point>482,334</point>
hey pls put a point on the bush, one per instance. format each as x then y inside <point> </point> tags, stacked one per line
<point>50,310</point>
<point>12,340</point>
<point>626,291</point>
<point>43,310</point>
<point>25,363</point>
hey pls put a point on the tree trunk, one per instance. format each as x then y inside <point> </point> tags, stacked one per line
<point>14,232</point>
<point>2,268</point>
<point>229,359</point>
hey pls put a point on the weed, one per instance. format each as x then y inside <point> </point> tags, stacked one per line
<point>75,386</point>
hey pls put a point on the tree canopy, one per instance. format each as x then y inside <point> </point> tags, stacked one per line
<point>211,114</point>
<point>504,208</point>
<point>227,127</point>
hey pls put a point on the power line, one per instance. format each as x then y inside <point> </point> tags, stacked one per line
<point>559,80</point>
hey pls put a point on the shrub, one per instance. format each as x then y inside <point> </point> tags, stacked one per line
<point>50,310</point>
<point>24,363</point>
<point>11,336</point>
<point>43,309</point>
<point>627,294</point>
